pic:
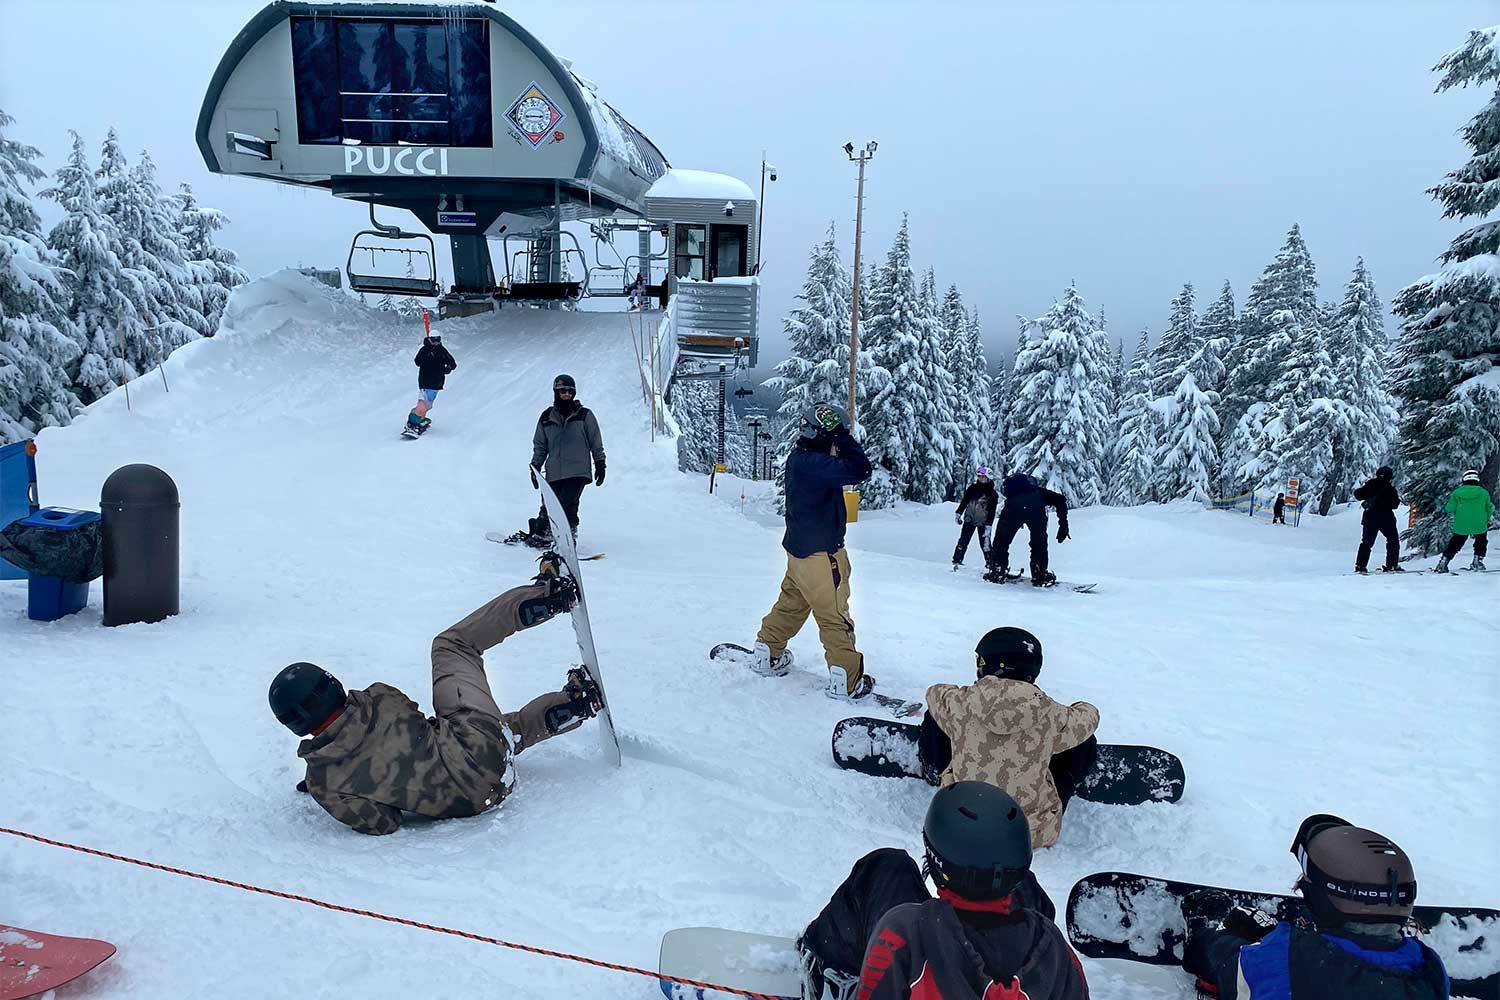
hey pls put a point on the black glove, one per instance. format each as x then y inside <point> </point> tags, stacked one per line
<point>1062,532</point>
<point>532,470</point>
<point>599,474</point>
<point>1249,923</point>
<point>302,785</point>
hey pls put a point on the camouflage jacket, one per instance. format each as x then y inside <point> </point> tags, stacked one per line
<point>1005,732</point>
<point>383,757</point>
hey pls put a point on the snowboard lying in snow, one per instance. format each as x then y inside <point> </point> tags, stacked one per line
<point>1123,776</point>
<point>731,652</point>
<point>563,537</point>
<point>1077,588</point>
<point>757,963</point>
<point>524,538</point>
<point>31,963</point>
<point>1139,919</point>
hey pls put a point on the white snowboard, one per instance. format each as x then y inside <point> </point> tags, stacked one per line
<point>758,963</point>
<point>562,537</point>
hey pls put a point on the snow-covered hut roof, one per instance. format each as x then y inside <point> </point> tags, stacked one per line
<point>678,183</point>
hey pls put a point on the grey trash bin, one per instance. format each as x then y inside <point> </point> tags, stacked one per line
<point>140,508</point>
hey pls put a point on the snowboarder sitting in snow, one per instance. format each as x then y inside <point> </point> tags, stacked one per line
<point>1359,889</point>
<point>1472,509</point>
<point>1003,729</point>
<point>976,510</point>
<point>1026,503</point>
<point>372,754</point>
<point>434,365</point>
<point>825,460</point>
<point>567,441</point>
<point>989,934</point>
<point>1278,509</point>
<point>1380,502</point>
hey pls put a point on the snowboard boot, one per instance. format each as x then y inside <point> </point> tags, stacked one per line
<point>1398,568</point>
<point>763,663</point>
<point>1442,565</point>
<point>996,574</point>
<point>838,685</point>
<point>1203,911</point>
<point>811,967</point>
<point>1045,578</point>
<point>584,702</point>
<point>1362,571</point>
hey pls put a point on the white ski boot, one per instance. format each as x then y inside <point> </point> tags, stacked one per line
<point>763,663</point>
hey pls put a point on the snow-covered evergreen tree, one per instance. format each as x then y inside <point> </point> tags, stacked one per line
<point>1003,402</point>
<point>1303,417</point>
<point>217,267</point>
<point>1218,323</point>
<point>695,408</point>
<point>102,293</point>
<point>895,419</point>
<point>1061,425</point>
<point>1176,345</point>
<point>1447,364</point>
<point>1188,456</point>
<point>1133,463</point>
<point>970,370</point>
<point>178,315</point>
<point>34,349</point>
<point>1358,345</point>
<point>935,449</point>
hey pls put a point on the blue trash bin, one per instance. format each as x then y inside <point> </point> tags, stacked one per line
<point>49,598</point>
<point>17,493</point>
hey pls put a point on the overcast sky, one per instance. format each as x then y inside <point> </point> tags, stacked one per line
<point>1129,146</point>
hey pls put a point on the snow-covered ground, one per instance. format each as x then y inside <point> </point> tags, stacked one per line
<point>311,531</point>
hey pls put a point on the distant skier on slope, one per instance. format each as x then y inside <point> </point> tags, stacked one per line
<point>1472,508</point>
<point>434,365</point>
<point>1360,888</point>
<point>568,443</point>
<point>1003,729</point>
<point>372,754</point>
<point>976,511</point>
<point>825,460</point>
<point>989,933</point>
<point>1380,501</point>
<point>1026,503</point>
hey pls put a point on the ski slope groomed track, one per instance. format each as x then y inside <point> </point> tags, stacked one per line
<point>310,530</point>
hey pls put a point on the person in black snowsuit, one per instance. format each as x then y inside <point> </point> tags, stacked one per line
<point>1348,944</point>
<point>1380,502</point>
<point>1278,509</point>
<point>976,510</point>
<point>1026,503</point>
<point>989,933</point>
<point>434,365</point>
<point>568,445</point>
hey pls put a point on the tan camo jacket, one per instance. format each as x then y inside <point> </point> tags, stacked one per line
<point>383,756</point>
<point>1004,732</point>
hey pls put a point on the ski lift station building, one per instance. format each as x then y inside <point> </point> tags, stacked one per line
<point>457,114</point>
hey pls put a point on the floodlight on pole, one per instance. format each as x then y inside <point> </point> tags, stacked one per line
<point>862,158</point>
<point>765,168</point>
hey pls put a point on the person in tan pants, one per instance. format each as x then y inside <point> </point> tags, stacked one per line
<point>825,460</point>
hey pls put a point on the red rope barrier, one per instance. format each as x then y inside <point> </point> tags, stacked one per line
<point>581,959</point>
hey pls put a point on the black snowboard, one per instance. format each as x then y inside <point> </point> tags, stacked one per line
<point>1139,919</point>
<point>734,652</point>
<point>1124,775</point>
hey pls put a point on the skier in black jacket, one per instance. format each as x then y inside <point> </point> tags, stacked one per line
<point>976,511</point>
<point>989,934</point>
<point>434,364</point>
<point>1026,503</point>
<point>1380,503</point>
<point>1351,945</point>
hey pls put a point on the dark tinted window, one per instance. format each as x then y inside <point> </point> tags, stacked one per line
<point>389,82</point>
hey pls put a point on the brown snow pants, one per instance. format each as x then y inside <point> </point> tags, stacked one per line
<point>459,682</point>
<point>818,585</point>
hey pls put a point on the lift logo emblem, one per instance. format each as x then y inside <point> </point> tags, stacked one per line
<point>534,115</point>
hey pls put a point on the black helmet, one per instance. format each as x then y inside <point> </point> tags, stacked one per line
<point>821,418</point>
<point>978,841</point>
<point>1350,874</point>
<point>1009,652</point>
<point>304,696</point>
<point>1384,472</point>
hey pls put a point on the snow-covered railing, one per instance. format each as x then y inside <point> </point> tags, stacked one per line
<point>656,359</point>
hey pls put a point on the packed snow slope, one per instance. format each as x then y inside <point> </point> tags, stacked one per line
<point>311,531</point>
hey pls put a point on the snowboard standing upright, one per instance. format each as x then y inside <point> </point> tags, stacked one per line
<point>562,537</point>
<point>1139,919</point>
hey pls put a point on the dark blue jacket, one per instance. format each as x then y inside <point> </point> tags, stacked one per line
<point>1293,963</point>
<point>815,481</point>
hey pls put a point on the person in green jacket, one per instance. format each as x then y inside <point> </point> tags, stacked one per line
<point>1472,509</point>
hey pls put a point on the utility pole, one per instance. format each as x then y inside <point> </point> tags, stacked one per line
<point>754,423</point>
<point>765,168</point>
<point>862,158</point>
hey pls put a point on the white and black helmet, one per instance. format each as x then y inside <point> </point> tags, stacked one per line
<point>1471,476</point>
<point>822,418</point>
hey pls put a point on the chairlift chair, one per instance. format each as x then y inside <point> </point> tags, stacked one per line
<point>421,263</point>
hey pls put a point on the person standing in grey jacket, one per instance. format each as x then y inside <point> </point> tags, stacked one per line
<point>568,446</point>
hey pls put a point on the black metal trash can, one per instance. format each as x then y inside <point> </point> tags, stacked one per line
<point>140,508</point>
